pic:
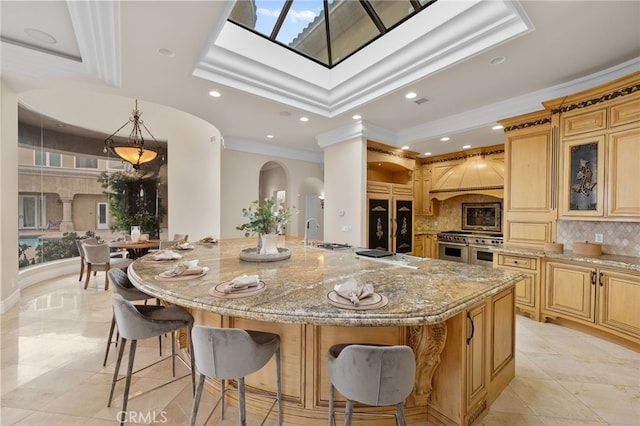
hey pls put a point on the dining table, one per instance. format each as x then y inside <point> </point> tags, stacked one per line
<point>135,249</point>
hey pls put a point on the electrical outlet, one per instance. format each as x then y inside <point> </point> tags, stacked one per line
<point>599,238</point>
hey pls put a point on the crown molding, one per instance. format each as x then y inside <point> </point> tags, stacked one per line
<point>261,148</point>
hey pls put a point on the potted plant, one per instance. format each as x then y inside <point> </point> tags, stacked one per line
<point>267,220</point>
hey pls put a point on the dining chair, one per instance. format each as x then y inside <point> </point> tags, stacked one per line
<point>98,258</point>
<point>372,375</point>
<point>136,322</point>
<point>79,243</point>
<point>120,284</point>
<point>164,244</point>
<point>233,353</point>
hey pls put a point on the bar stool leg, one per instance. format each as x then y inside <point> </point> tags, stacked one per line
<point>127,380</point>
<point>331,415</point>
<point>116,370</point>
<point>193,364</point>
<point>348,413</point>
<point>106,352</point>
<point>221,399</point>
<point>400,414</point>
<point>278,387</point>
<point>173,353</point>
<point>196,401</point>
<point>243,416</point>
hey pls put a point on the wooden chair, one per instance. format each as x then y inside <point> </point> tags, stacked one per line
<point>98,258</point>
<point>79,243</point>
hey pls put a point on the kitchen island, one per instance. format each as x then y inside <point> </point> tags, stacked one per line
<point>459,319</point>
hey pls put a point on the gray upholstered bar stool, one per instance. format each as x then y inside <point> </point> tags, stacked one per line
<point>232,353</point>
<point>137,322</point>
<point>121,285</point>
<point>372,375</point>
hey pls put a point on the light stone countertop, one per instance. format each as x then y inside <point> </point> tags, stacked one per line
<point>427,292</point>
<point>612,260</point>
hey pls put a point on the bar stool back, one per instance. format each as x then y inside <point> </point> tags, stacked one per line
<point>142,322</point>
<point>372,375</point>
<point>233,353</point>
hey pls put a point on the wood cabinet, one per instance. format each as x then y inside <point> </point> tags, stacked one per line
<point>600,147</point>
<point>418,245</point>
<point>527,291</point>
<point>390,217</point>
<point>426,245</point>
<point>603,298</point>
<point>530,180</point>
<point>424,204</point>
<point>479,359</point>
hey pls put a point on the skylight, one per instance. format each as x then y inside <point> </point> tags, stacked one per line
<point>325,31</point>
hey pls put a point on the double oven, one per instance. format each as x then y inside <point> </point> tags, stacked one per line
<point>468,247</point>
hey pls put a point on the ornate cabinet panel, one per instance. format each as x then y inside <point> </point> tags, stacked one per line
<point>570,291</point>
<point>619,302</point>
<point>582,186</point>
<point>623,173</point>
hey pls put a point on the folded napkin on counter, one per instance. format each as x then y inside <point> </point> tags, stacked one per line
<point>208,240</point>
<point>242,282</point>
<point>185,268</point>
<point>166,255</point>
<point>182,246</point>
<point>353,291</point>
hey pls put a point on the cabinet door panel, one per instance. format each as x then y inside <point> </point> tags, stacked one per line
<point>502,331</point>
<point>619,301</point>
<point>623,173</point>
<point>529,172</point>
<point>569,290</point>
<point>582,187</point>
<point>476,354</point>
<point>525,291</point>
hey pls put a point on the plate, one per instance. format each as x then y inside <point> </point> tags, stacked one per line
<point>164,277</point>
<point>374,301</point>
<point>218,290</point>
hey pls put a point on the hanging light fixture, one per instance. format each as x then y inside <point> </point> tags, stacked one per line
<point>134,150</point>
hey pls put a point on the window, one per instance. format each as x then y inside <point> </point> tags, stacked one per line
<point>48,159</point>
<point>86,163</point>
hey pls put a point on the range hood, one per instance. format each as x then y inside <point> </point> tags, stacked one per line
<point>476,175</point>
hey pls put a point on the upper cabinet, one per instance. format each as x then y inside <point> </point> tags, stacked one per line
<point>530,180</point>
<point>600,150</point>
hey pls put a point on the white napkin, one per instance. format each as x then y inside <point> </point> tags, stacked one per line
<point>182,246</point>
<point>353,291</point>
<point>242,282</point>
<point>186,268</point>
<point>166,255</point>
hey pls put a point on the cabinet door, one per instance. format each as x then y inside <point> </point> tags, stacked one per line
<point>582,186</point>
<point>525,291</point>
<point>403,225</point>
<point>570,291</point>
<point>428,205</point>
<point>476,355</point>
<point>418,245</point>
<point>619,302</point>
<point>379,219</point>
<point>623,173</point>
<point>417,190</point>
<point>502,331</point>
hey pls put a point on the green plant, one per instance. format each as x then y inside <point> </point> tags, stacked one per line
<point>132,202</point>
<point>264,218</point>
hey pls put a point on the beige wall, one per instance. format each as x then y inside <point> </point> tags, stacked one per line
<point>345,192</point>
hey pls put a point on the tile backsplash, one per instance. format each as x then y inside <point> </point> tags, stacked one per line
<point>622,238</point>
<point>450,213</point>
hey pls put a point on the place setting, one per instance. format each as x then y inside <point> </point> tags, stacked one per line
<point>207,241</point>
<point>354,296</point>
<point>164,255</point>
<point>242,286</point>
<point>185,270</point>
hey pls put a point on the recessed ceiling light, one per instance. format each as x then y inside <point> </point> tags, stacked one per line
<point>166,52</point>
<point>214,93</point>
<point>270,136</point>
<point>445,139</point>
<point>304,119</point>
<point>498,127</point>
<point>357,117</point>
<point>410,95</point>
<point>427,153</point>
<point>40,36</point>
<point>405,147</point>
<point>466,146</point>
<point>498,60</point>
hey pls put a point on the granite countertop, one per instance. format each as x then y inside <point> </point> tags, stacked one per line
<point>419,293</point>
<point>612,260</point>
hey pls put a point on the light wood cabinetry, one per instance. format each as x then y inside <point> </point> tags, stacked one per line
<point>424,204</point>
<point>600,138</point>
<point>390,217</point>
<point>527,291</point>
<point>426,245</point>
<point>530,180</point>
<point>418,245</point>
<point>479,359</point>
<point>603,298</point>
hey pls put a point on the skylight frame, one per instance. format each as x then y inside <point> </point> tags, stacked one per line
<point>377,21</point>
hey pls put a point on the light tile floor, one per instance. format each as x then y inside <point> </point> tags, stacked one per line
<point>53,344</point>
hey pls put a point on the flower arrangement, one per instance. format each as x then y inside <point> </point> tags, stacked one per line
<point>264,218</point>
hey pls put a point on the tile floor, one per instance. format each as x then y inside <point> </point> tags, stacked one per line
<point>52,348</point>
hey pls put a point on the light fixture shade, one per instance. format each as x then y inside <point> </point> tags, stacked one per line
<point>135,155</point>
<point>134,150</point>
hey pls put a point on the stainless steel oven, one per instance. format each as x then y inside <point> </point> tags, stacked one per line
<point>480,255</point>
<point>456,252</point>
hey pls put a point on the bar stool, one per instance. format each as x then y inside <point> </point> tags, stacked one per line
<point>372,375</point>
<point>232,353</point>
<point>142,322</point>
<point>121,285</point>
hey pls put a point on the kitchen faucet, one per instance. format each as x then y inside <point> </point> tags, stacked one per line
<point>306,228</point>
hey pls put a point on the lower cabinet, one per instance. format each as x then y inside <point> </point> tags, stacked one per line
<point>480,356</point>
<point>603,298</point>
<point>528,290</point>
<point>425,245</point>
